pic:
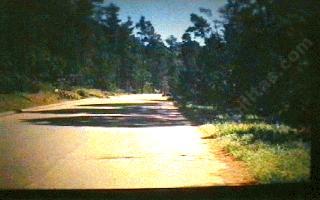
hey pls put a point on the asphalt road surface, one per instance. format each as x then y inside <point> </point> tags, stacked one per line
<point>128,141</point>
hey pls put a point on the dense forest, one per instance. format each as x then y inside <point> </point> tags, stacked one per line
<point>260,58</point>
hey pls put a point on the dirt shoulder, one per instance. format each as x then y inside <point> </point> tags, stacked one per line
<point>237,172</point>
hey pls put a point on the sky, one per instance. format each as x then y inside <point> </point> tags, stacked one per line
<point>169,17</point>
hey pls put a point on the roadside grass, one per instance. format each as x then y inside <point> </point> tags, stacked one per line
<point>85,92</point>
<point>47,95</point>
<point>13,102</point>
<point>206,114</point>
<point>273,153</point>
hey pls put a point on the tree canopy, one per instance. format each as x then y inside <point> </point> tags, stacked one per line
<point>259,60</point>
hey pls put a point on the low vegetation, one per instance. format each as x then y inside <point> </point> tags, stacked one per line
<point>13,102</point>
<point>47,95</point>
<point>205,114</point>
<point>275,78</point>
<point>209,64</point>
<point>272,153</point>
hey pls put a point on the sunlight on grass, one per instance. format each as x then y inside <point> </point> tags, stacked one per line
<point>273,154</point>
<point>46,95</point>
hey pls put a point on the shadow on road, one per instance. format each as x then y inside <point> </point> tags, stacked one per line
<point>113,115</point>
<point>292,191</point>
<point>112,121</point>
<point>155,103</point>
<point>135,110</point>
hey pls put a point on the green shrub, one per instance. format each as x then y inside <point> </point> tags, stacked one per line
<point>44,87</point>
<point>147,88</point>
<point>7,84</point>
<point>15,101</point>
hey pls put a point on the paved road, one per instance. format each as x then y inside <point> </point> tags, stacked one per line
<point>128,141</point>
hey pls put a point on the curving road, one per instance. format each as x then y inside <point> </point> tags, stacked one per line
<point>128,141</point>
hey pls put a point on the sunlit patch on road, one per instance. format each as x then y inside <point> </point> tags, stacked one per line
<point>130,141</point>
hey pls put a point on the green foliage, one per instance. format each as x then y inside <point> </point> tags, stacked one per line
<point>46,95</point>
<point>76,43</point>
<point>44,87</point>
<point>61,44</point>
<point>84,43</point>
<point>240,53</point>
<point>147,88</point>
<point>273,154</point>
<point>9,102</point>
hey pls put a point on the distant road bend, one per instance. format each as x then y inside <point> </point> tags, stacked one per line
<point>127,141</point>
